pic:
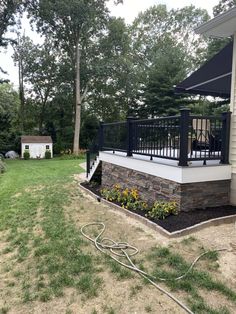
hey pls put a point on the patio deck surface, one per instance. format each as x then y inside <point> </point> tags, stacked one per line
<point>169,162</point>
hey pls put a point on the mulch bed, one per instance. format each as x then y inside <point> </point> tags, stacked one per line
<point>183,219</point>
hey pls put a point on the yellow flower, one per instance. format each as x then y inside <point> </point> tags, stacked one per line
<point>134,194</point>
<point>126,192</point>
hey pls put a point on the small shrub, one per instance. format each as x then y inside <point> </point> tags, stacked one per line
<point>48,154</point>
<point>81,155</point>
<point>161,210</point>
<point>2,167</point>
<point>68,155</point>
<point>128,198</point>
<point>26,154</point>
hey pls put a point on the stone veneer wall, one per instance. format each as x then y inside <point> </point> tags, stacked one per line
<point>188,196</point>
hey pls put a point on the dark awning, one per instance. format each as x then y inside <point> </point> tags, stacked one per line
<point>213,78</point>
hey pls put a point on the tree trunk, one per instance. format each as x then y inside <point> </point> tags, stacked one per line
<point>78,103</point>
<point>42,118</point>
<point>21,93</point>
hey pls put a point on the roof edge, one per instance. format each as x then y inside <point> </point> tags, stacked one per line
<point>216,21</point>
<point>36,139</point>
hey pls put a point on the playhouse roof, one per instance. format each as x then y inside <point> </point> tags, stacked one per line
<point>36,139</point>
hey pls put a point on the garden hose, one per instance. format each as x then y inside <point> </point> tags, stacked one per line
<point>124,249</point>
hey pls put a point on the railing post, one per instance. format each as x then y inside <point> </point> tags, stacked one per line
<point>129,136</point>
<point>184,129</point>
<point>226,118</point>
<point>101,136</point>
<point>88,162</point>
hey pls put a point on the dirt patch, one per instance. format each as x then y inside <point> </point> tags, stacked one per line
<point>122,228</point>
<point>34,189</point>
<point>222,237</point>
<point>214,300</point>
<point>17,195</point>
<point>130,295</point>
<point>116,294</point>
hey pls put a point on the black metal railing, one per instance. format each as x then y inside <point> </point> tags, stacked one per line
<point>183,138</point>
<point>114,136</point>
<point>92,154</point>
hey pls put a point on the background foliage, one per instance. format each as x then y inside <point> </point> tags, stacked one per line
<point>125,69</point>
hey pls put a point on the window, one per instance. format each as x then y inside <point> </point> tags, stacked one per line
<point>47,147</point>
<point>26,146</point>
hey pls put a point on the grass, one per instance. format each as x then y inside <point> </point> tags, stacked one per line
<point>148,308</point>
<point>47,248</point>
<point>120,272</point>
<point>169,265</point>
<point>135,290</point>
<point>45,252</point>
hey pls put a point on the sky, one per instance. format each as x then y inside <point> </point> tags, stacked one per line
<point>129,10</point>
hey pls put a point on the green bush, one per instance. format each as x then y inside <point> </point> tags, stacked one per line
<point>48,154</point>
<point>68,155</point>
<point>130,199</point>
<point>26,154</point>
<point>2,166</point>
<point>161,210</point>
<point>72,156</point>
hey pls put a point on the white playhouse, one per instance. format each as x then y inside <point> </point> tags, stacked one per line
<point>36,145</point>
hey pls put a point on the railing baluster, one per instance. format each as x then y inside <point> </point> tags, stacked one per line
<point>184,126</point>
<point>87,162</point>
<point>101,136</point>
<point>130,136</point>
<point>226,117</point>
<point>170,137</point>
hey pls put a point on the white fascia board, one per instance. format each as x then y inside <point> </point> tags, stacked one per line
<point>223,25</point>
<point>170,172</point>
<point>160,170</point>
<point>206,173</point>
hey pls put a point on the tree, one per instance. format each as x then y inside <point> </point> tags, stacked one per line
<point>9,105</point>
<point>165,50</point>
<point>7,18</point>
<point>73,24</point>
<point>112,70</point>
<point>168,70</point>
<point>223,6</point>
<point>215,45</point>
<point>40,65</point>
<point>156,23</point>
<point>59,112</point>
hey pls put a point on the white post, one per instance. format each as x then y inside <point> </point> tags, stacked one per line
<point>233,127</point>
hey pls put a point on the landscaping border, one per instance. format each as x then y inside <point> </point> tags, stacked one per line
<point>186,231</point>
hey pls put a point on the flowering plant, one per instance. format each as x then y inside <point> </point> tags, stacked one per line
<point>130,199</point>
<point>161,210</point>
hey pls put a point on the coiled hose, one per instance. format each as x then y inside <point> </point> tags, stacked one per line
<point>125,250</point>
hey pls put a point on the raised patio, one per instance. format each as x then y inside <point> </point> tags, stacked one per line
<point>184,158</point>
